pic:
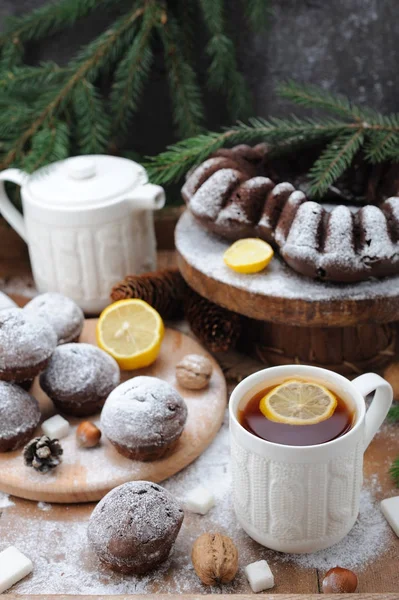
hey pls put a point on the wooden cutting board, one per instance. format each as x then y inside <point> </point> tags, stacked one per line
<point>88,474</point>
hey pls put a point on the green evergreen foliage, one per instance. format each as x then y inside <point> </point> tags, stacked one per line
<point>349,129</point>
<point>50,111</point>
<point>394,471</point>
<point>393,415</point>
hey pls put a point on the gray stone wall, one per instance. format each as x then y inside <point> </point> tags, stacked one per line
<point>350,46</point>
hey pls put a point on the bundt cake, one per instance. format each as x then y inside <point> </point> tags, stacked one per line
<point>229,195</point>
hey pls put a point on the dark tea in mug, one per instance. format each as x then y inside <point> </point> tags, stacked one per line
<point>254,420</point>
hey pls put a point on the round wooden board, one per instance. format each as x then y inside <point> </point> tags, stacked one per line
<point>88,474</point>
<point>278,294</point>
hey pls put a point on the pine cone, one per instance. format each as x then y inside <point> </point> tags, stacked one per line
<point>43,454</point>
<point>216,327</point>
<point>163,290</point>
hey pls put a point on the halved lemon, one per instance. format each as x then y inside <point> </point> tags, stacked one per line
<point>249,255</point>
<point>131,331</point>
<point>296,402</point>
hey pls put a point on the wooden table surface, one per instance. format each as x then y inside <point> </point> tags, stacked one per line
<point>380,576</point>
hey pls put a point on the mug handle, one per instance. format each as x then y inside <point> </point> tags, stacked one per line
<point>379,407</point>
<point>8,210</point>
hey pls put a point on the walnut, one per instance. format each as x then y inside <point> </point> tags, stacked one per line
<point>194,372</point>
<point>215,558</point>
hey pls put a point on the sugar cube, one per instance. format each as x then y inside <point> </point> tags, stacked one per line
<point>14,566</point>
<point>56,427</point>
<point>259,576</point>
<point>390,510</point>
<point>199,500</point>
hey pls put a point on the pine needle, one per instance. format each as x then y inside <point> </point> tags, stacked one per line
<point>394,471</point>
<point>133,71</point>
<point>48,19</point>
<point>183,85</point>
<point>91,122</point>
<point>258,13</point>
<point>393,415</point>
<point>223,73</point>
<point>334,160</point>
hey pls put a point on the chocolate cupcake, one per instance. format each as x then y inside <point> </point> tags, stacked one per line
<point>19,416</point>
<point>133,528</point>
<point>62,313</point>
<point>79,378</point>
<point>26,342</point>
<point>144,418</point>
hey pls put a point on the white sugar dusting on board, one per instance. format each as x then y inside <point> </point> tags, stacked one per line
<point>5,501</point>
<point>278,280</point>
<point>70,567</point>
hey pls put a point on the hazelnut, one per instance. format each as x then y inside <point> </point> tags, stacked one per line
<point>215,558</point>
<point>194,372</point>
<point>339,581</point>
<point>88,435</point>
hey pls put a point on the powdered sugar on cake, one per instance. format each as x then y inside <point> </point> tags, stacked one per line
<point>62,313</point>
<point>19,411</point>
<point>145,411</point>
<point>26,340</point>
<point>208,199</point>
<point>278,280</point>
<point>77,367</point>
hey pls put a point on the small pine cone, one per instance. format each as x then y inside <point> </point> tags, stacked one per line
<point>163,290</point>
<point>43,454</point>
<point>216,327</point>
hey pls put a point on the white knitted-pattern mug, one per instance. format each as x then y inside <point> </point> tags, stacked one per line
<point>303,498</point>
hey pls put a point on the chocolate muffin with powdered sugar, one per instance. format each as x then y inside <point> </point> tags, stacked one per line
<point>144,418</point>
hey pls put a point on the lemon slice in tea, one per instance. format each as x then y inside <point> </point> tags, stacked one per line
<point>296,402</point>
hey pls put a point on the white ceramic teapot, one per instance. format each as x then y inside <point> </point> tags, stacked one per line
<point>88,222</point>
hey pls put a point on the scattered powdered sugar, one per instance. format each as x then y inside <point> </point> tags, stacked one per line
<point>79,369</point>
<point>367,540</point>
<point>61,312</point>
<point>143,411</point>
<point>44,506</point>
<point>5,501</point>
<point>277,280</point>
<point>26,340</point>
<point>208,199</point>
<point>64,564</point>
<point>19,411</point>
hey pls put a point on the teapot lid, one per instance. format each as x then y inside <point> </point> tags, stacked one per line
<point>84,181</point>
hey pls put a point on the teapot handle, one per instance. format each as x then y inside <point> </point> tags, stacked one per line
<point>147,197</point>
<point>8,210</point>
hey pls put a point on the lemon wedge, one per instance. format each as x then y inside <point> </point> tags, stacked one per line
<point>297,402</point>
<point>249,255</point>
<point>131,331</point>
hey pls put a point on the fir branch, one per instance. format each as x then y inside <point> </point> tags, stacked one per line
<point>12,54</point>
<point>86,66</point>
<point>223,73</point>
<point>186,13</point>
<point>48,19</point>
<point>92,123</point>
<point>334,160</point>
<point>49,144</point>
<point>133,71</point>
<point>393,415</point>
<point>26,79</point>
<point>258,13</point>
<point>184,89</point>
<point>172,164</point>
<point>313,97</point>
<point>394,471</point>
